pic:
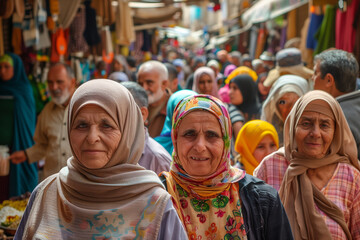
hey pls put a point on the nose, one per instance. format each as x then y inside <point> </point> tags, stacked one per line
<point>315,131</point>
<point>200,144</point>
<point>93,135</point>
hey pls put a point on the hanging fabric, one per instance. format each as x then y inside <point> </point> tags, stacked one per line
<point>77,41</point>
<point>125,32</point>
<point>67,12</point>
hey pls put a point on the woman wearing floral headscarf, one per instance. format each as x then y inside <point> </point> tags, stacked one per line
<point>317,171</point>
<point>102,193</point>
<point>213,199</point>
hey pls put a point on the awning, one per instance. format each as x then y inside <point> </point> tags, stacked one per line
<point>265,10</point>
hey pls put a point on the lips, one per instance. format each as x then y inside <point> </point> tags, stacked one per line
<point>199,158</point>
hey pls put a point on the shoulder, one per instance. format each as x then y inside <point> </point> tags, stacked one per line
<point>255,187</point>
<point>156,149</point>
<point>349,97</point>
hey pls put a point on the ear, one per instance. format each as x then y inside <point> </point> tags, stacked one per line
<point>144,113</point>
<point>330,81</point>
<point>174,83</point>
<point>164,84</point>
<point>73,82</point>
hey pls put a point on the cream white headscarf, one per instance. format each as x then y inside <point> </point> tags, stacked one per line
<point>297,193</point>
<point>120,200</point>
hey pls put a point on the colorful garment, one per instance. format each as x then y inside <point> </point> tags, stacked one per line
<point>249,137</point>
<point>23,176</point>
<point>165,137</point>
<point>119,200</point>
<point>209,206</point>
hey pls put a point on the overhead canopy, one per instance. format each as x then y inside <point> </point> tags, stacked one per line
<point>265,10</point>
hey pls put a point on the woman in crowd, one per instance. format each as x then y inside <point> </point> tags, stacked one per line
<point>213,199</point>
<point>14,83</point>
<point>263,91</point>
<point>243,95</point>
<point>120,65</point>
<point>165,137</point>
<point>255,140</point>
<point>283,95</point>
<point>317,170</point>
<point>102,193</point>
<point>205,82</point>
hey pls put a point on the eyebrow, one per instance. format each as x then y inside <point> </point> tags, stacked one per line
<point>312,119</point>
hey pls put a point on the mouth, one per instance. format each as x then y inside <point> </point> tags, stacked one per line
<point>199,158</point>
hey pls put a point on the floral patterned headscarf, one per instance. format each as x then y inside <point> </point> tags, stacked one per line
<point>205,186</point>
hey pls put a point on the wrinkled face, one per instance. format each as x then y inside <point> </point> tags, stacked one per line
<point>94,137</point>
<point>151,82</point>
<point>262,89</point>
<point>205,84</point>
<point>285,104</point>
<point>6,71</point>
<point>199,143</point>
<point>314,134</point>
<point>319,83</point>
<point>266,146</point>
<point>59,84</point>
<point>235,94</point>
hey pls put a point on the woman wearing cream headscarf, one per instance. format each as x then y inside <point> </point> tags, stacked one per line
<point>205,81</point>
<point>320,185</point>
<point>255,140</point>
<point>282,96</point>
<point>102,193</point>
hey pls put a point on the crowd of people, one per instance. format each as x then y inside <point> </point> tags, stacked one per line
<point>219,146</point>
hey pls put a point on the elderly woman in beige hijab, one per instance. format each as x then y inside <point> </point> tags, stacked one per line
<point>102,193</point>
<point>317,170</point>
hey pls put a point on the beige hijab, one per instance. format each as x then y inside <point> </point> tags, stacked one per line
<point>297,193</point>
<point>120,200</point>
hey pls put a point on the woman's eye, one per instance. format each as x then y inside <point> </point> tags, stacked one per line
<point>189,134</point>
<point>81,125</point>
<point>282,102</point>
<point>212,134</point>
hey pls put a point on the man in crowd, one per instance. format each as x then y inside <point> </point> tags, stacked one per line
<point>236,58</point>
<point>335,73</point>
<point>173,77</point>
<point>51,140</point>
<point>154,156</point>
<point>153,77</point>
<point>223,58</point>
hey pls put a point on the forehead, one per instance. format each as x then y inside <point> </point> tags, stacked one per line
<point>5,64</point>
<point>58,73</point>
<point>149,75</point>
<point>205,76</point>
<point>309,115</point>
<point>200,117</point>
<point>289,95</point>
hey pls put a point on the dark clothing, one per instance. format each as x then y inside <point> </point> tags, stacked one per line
<point>350,104</point>
<point>263,212</point>
<point>189,82</point>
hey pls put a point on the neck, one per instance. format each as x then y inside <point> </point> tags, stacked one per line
<point>322,175</point>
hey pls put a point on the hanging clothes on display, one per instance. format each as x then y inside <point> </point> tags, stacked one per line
<point>77,41</point>
<point>314,25</point>
<point>91,33</point>
<point>326,33</point>
<point>345,32</point>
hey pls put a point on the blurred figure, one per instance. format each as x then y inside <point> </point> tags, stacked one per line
<point>269,59</point>
<point>14,83</point>
<point>132,67</point>
<point>215,66</point>
<point>288,61</point>
<point>51,140</point>
<point>119,77</point>
<point>223,58</point>
<point>174,85</point>
<point>258,66</point>
<point>100,71</point>
<point>283,95</point>
<point>120,65</point>
<point>235,58</point>
<point>255,140</point>
<point>246,61</point>
<point>205,82</point>
<point>153,77</point>
<point>263,92</point>
<point>154,156</point>
<point>179,65</point>
<point>196,63</point>
<point>165,137</point>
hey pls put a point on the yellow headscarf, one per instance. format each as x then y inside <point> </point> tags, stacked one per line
<point>241,70</point>
<point>249,137</point>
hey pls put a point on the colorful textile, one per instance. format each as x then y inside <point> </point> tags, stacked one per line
<point>209,206</point>
<point>165,137</point>
<point>326,33</point>
<point>297,192</point>
<point>119,200</point>
<point>249,137</point>
<point>241,70</point>
<point>23,176</point>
